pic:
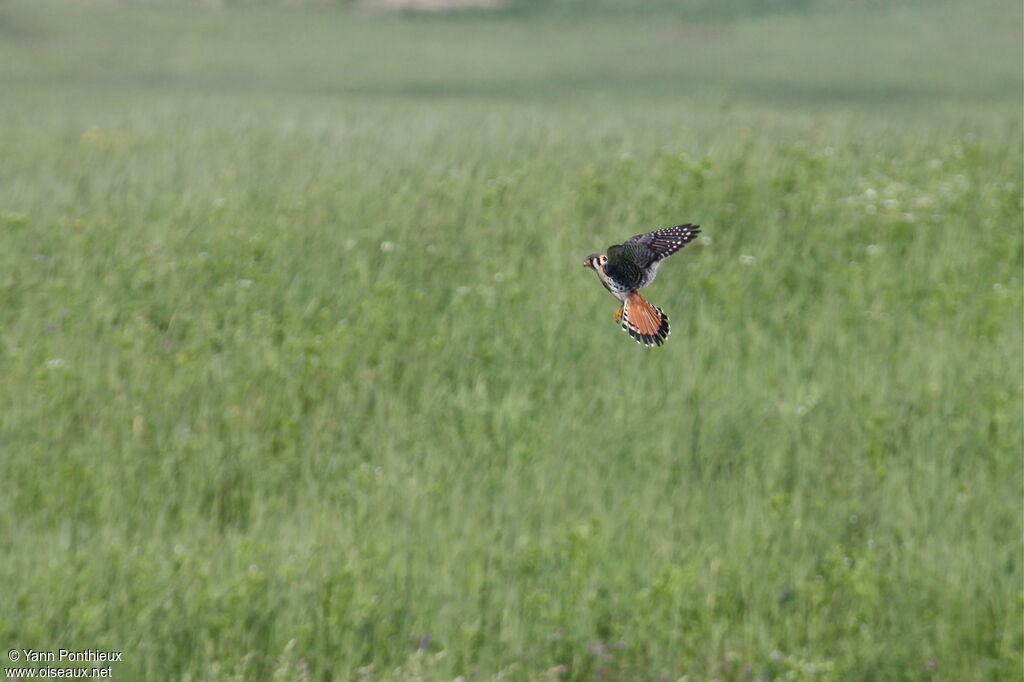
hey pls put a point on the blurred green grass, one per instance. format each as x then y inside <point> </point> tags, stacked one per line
<point>930,57</point>
<point>303,378</point>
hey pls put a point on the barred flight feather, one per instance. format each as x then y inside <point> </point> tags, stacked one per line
<point>667,241</point>
<point>644,321</point>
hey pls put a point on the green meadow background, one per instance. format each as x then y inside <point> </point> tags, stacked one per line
<point>301,377</point>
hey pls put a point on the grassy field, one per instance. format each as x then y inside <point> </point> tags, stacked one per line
<point>302,377</point>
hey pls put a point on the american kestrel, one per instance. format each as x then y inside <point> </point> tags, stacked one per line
<point>632,265</point>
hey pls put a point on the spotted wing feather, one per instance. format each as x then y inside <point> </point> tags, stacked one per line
<point>663,243</point>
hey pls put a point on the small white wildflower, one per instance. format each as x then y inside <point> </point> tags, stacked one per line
<point>853,518</point>
<point>387,246</point>
<point>998,288</point>
<point>873,249</point>
<point>350,244</point>
<point>245,283</point>
<point>203,255</point>
<point>499,276</point>
<point>219,201</point>
<point>923,201</point>
<point>870,193</point>
<point>746,260</point>
<point>891,204</point>
<point>55,363</point>
<point>801,410</point>
<point>829,151</point>
<point>908,217</point>
<point>935,164</point>
<point>705,240</point>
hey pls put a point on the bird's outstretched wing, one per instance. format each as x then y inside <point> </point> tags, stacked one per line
<point>663,243</point>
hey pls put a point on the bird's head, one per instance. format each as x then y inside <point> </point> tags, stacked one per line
<point>595,260</point>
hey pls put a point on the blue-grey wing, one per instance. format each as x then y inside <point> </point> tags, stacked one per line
<point>625,266</point>
<point>663,243</point>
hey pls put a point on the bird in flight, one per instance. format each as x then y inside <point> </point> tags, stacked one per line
<point>632,265</point>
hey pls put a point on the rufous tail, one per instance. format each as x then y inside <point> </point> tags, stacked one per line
<point>645,322</point>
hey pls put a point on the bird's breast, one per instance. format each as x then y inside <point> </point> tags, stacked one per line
<point>617,290</point>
